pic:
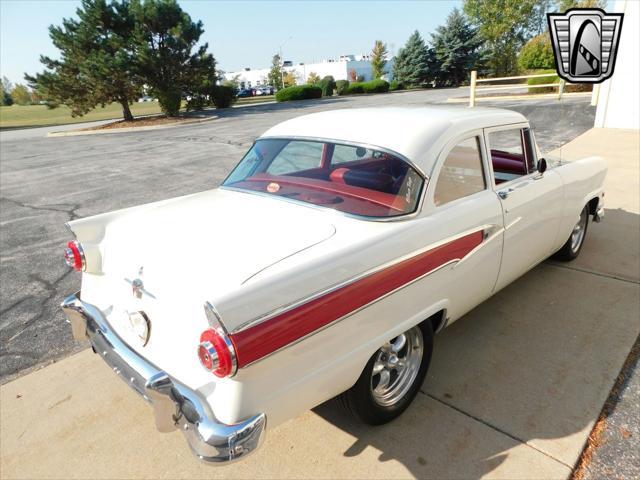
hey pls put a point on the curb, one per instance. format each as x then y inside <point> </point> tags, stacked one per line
<point>76,133</point>
<point>519,97</point>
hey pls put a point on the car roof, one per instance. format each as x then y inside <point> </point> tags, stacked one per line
<point>417,133</point>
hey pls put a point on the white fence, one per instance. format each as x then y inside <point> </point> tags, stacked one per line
<point>473,86</point>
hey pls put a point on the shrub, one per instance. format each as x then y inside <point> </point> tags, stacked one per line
<point>327,84</point>
<point>376,86</point>
<point>342,86</point>
<point>537,53</point>
<point>396,85</point>
<point>355,87</point>
<point>360,78</point>
<point>169,101</point>
<point>223,96</point>
<point>298,92</point>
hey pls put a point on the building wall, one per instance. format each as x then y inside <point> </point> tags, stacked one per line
<point>619,97</point>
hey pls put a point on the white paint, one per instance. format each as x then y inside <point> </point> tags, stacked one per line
<point>619,97</point>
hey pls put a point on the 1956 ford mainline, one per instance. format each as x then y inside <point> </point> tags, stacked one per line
<point>322,267</point>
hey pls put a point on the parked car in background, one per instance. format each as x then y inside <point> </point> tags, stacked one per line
<point>245,92</point>
<point>322,267</point>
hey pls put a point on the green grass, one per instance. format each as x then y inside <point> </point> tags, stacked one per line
<point>40,115</point>
<point>17,116</point>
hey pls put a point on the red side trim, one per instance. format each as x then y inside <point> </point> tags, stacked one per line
<point>258,341</point>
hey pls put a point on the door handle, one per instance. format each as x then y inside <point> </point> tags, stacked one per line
<point>504,194</point>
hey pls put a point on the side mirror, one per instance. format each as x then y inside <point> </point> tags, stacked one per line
<point>542,166</point>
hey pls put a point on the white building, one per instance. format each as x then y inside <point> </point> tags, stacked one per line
<point>619,97</point>
<point>344,68</point>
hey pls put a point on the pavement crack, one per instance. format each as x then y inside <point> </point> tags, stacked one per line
<point>51,289</point>
<point>70,210</point>
<point>493,427</point>
<point>599,274</point>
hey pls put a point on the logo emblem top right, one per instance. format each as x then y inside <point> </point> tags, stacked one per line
<point>585,43</point>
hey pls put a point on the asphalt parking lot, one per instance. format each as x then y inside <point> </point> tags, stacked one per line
<point>513,392</point>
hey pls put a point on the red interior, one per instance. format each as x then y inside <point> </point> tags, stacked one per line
<point>329,193</point>
<point>508,162</point>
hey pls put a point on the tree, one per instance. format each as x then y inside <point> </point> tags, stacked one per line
<point>413,61</point>
<point>564,5</point>
<point>96,64</point>
<point>537,53</point>
<point>21,95</point>
<point>313,78</point>
<point>275,74</point>
<point>289,79</point>
<point>5,92</point>
<point>455,46</point>
<point>165,39</point>
<point>504,25</point>
<point>378,58</point>
<point>353,75</point>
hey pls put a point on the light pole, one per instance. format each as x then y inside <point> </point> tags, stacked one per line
<point>282,60</point>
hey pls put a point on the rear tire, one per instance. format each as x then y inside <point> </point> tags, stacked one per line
<point>571,249</point>
<point>392,377</point>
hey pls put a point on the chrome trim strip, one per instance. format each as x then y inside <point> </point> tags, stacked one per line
<point>367,273</point>
<point>215,322</point>
<point>175,405</point>
<point>359,309</point>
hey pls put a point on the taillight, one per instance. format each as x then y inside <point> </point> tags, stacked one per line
<point>74,256</point>
<point>216,351</point>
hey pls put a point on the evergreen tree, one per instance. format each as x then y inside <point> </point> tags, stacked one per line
<point>165,37</point>
<point>378,58</point>
<point>455,47</point>
<point>5,92</point>
<point>275,74</point>
<point>412,63</point>
<point>96,66</point>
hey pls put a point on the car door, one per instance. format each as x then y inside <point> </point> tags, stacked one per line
<point>531,202</point>
<point>460,201</point>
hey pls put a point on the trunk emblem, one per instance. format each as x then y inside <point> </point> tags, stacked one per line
<point>137,286</point>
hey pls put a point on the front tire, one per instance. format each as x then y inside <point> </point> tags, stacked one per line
<point>392,377</point>
<point>571,249</point>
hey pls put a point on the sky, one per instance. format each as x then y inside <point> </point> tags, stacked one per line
<point>241,34</point>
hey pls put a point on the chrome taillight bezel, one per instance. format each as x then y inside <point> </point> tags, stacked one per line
<point>74,251</point>
<point>216,350</point>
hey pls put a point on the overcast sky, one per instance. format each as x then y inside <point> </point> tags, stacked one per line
<point>241,34</point>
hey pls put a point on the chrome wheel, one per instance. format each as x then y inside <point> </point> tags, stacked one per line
<point>396,367</point>
<point>577,235</point>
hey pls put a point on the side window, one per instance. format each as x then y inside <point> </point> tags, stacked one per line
<point>296,156</point>
<point>507,155</point>
<point>461,174</point>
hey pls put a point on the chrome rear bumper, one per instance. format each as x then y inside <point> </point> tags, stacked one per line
<point>175,406</point>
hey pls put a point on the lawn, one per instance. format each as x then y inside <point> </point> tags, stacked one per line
<point>40,115</point>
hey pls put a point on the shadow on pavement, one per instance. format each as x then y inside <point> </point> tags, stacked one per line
<point>533,364</point>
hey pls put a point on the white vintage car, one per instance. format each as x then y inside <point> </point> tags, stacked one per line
<point>322,267</point>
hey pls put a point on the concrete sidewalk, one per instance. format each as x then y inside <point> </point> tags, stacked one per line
<point>513,392</point>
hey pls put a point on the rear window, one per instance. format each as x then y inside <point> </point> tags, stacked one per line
<point>352,179</point>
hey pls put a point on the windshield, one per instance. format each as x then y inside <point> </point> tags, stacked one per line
<point>348,178</point>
